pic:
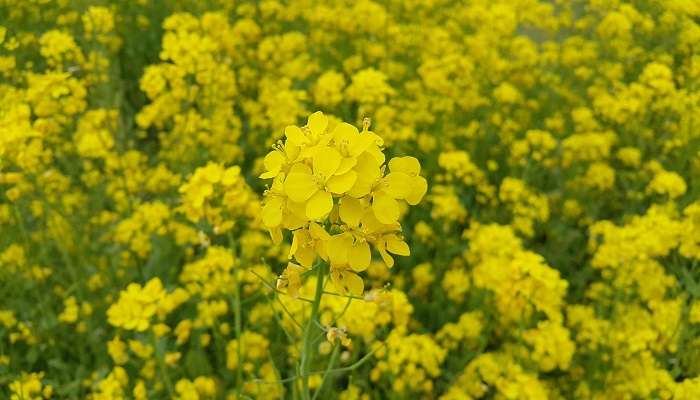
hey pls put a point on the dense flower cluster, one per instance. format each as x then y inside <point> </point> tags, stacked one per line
<point>317,171</point>
<point>378,199</point>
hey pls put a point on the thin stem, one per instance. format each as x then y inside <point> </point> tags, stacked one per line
<point>161,366</point>
<point>347,296</point>
<point>308,349</point>
<point>237,321</point>
<point>237,311</point>
<point>331,363</point>
<point>289,314</point>
<point>349,368</point>
<point>339,316</point>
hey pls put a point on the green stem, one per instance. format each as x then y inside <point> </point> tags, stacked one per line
<point>237,312</point>
<point>349,368</point>
<point>308,349</point>
<point>331,364</point>
<point>160,360</point>
<point>239,330</point>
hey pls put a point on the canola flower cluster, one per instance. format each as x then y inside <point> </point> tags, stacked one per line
<point>378,199</point>
<point>308,169</point>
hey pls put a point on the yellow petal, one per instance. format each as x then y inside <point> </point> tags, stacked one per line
<point>359,256</point>
<point>317,232</point>
<point>360,144</point>
<point>386,257</point>
<point>317,123</point>
<point>337,248</point>
<point>346,165</point>
<point>276,235</point>
<point>397,185</point>
<point>295,243</point>
<point>306,256</point>
<point>344,132</point>
<point>326,161</point>
<point>300,186</point>
<point>309,151</point>
<point>212,172</point>
<point>291,151</point>
<point>293,277</point>
<point>273,164</point>
<point>295,135</point>
<point>320,204</point>
<point>231,176</point>
<point>296,209</point>
<point>351,211</point>
<point>397,246</point>
<point>408,165</point>
<point>300,168</point>
<point>385,208</point>
<point>278,183</point>
<point>292,222</point>
<point>272,212</point>
<point>268,174</point>
<point>347,282</point>
<point>340,184</point>
<point>320,248</point>
<point>368,172</point>
<point>377,154</point>
<point>420,187</point>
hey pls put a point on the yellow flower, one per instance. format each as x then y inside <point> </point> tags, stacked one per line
<point>315,186</point>
<point>337,177</point>
<point>346,281</point>
<point>117,350</point>
<point>402,183</point>
<point>334,334</point>
<point>307,243</point>
<point>346,250</point>
<point>291,279</point>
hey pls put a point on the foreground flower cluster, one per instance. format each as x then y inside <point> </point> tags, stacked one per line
<point>354,200</point>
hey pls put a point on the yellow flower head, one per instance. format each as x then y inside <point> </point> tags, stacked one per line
<point>332,188</point>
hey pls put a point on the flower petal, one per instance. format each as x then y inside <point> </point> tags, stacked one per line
<point>338,247</point>
<point>419,188</point>
<point>397,185</point>
<point>306,256</point>
<point>359,256</point>
<point>351,211</point>
<point>296,238</point>
<point>295,135</point>
<point>317,123</point>
<point>300,186</point>
<point>340,184</point>
<point>320,204</point>
<point>385,208</point>
<point>397,246</point>
<point>346,165</point>
<point>368,172</point>
<point>408,165</point>
<point>317,232</point>
<point>347,282</point>
<point>274,160</point>
<point>326,161</point>
<point>360,144</point>
<point>272,212</point>
<point>386,257</point>
<point>344,132</point>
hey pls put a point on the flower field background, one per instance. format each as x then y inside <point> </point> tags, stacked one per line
<point>400,199</point>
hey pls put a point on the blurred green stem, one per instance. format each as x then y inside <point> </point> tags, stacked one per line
<point>331,364</point>
<point>309,349</point>
<point>237,311</point>
<point>160,360</point>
